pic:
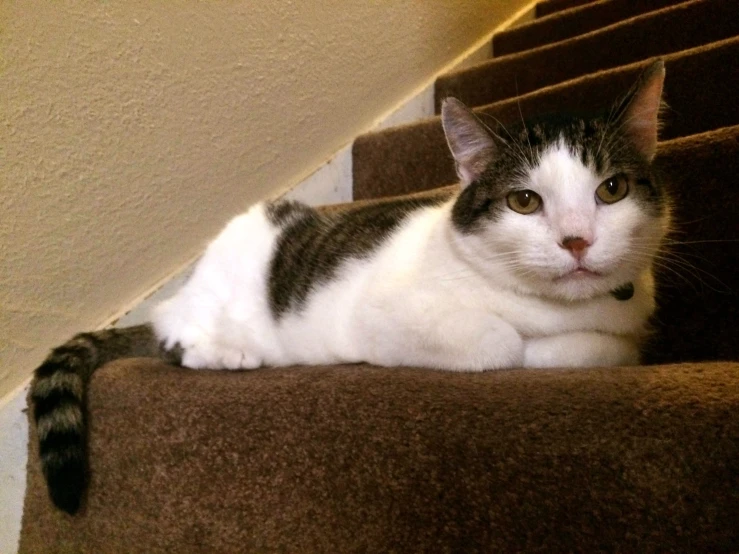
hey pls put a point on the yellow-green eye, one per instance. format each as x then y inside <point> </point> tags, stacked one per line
<point>524,201</point>
<point>612,190</point>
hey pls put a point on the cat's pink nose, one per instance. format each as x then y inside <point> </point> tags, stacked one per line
<point>576,245</point>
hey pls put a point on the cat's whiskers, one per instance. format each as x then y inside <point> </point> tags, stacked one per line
<point>707,241</point>
<point>675,262</point>
<point>697,272</point>
<point>662,267</point>
<point>689,222</point>
<point>642,259</point>
<point>667,250</point>
<point>685,272</point>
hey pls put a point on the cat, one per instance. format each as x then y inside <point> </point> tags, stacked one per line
<point>542,258</point>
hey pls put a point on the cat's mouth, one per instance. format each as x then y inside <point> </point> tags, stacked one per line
<point>579,273</point>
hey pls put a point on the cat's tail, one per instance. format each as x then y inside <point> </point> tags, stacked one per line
<point>58,398</point>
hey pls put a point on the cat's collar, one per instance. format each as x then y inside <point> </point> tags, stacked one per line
<point>624,292</point>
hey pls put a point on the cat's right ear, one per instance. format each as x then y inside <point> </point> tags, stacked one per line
<point>469,140</point>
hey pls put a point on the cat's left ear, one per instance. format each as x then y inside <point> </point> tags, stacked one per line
<point>638,112</point>
<point>469,140</point>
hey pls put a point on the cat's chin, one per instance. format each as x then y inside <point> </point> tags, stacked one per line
<point>566,288</point>
<point>579,284</point>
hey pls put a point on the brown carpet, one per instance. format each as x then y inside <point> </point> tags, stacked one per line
<point>570,23</point>
<point>658,33</point>
<point>361,459</point>
<point>700,89</point>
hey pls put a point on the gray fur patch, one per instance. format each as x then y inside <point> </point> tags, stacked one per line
<point>313,246</point>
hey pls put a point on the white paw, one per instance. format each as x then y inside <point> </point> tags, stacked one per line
<point>581,349</point>
<point>205,354</point>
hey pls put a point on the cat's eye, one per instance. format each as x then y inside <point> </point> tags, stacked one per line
<point>612,190</point>
<point>524,201</point>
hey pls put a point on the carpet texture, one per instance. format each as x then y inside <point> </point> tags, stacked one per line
<point>658,33</point>
<point>363,459</point>
<point>700,89</point>
<point>570,23</point>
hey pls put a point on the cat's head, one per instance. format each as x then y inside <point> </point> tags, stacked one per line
<point>567,208</point>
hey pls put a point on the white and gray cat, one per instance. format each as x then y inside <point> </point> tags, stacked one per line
<point>543,258</point>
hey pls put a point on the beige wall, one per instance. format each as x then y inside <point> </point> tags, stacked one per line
<point>131,131</point>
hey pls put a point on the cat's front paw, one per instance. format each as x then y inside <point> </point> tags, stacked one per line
<point>207,355</point>
<point>582,349</point>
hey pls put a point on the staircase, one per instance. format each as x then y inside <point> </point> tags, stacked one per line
<point>361,459</point>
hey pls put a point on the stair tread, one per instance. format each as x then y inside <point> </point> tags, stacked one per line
<point>671,29</point>
<point>363,459</point>
<point>415,157</point>
<point>571,23</point>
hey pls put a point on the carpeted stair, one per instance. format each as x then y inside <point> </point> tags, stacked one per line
<point>570,23</point>
<point>644,36</point>
<point>700,90</point>
<point>363,459</point>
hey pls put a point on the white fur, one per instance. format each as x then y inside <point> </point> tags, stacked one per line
<point>433,297</point>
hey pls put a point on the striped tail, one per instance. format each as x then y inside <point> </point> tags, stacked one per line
<point>58,398</point>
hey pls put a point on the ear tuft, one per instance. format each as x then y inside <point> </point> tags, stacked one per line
<point>469,140</point>
<point>639,110</point>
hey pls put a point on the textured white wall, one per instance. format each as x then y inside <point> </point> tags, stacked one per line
<point>131,131</point>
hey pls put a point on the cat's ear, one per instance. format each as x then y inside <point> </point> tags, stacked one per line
<point>638,112</point>
<point>469,140</point>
